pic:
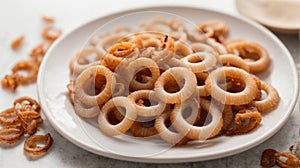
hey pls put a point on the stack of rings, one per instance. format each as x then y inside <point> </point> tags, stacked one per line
<point>170,80</point>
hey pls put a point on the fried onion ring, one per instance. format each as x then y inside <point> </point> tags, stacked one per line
<point>139,130</point>
<point>290,162</point>
<point>253,51</point>
<point>198,132</point>
<point>10,135</point>
<point>179,74</point>
<point>242,116</point>
<point>200,62</point>
<point>9,117</point>
<point>225,97</point>
<point>270,102</point>
<point>32,148</point>
<point>29,66</point>
<point>156,107</point>
<point>172,137</point>
<point>125,124</point>
<point>233,60</point>
<point>93,73</point>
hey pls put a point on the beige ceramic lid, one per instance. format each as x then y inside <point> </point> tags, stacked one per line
<point>279,15</point>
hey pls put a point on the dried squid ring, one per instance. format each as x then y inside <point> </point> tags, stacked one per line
<point>167,134</point>
<point>31,67</point>
<point>119,52</point>
<point>139,64</point>
<point>252,51</point>
<point>95,73</point>
<point>235,61</point>
<point>242,126</point>
<point>201,47</point>
<point>155,107</point>
<point>10,135</point>
<point>198,132</point>
<point>225,97</point>
<point>81,61</point>
<point>32,148</point>
<point>125,124</point>
<point>9,117</point>
<point>138,129</point>
<point>200,62</point>
<point>270,102</point>
<point>183,77</point>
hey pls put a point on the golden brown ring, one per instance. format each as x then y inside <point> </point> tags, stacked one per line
<point>200,62</point>
<point>31,67</point>
<point>253,51</point>
<point>235,61</point>
<point>270,102</point>
<point>32,148</point>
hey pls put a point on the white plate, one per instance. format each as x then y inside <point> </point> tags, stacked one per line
<point>54,75</point>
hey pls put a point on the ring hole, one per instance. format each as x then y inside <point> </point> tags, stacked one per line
<point>232,85</point>
<point>195,59</point>
<point>201,79</point>
<point>141,76</point>
<point>148,124</point>
<point>116,115</point>
<point>173,86</point>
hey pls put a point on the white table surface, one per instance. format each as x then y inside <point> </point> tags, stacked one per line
<point>24,17</point>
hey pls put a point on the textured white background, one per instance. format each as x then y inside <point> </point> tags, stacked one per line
<point>24,17</point>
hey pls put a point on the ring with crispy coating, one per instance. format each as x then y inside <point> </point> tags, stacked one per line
<point>10,82</point>
<point>268,103</point>
<point>9,117</point>
<point>138,65</point>
<point>235,61</point>
<point>118,53</point>
<point>197,132</point>
<point>81,60</point>
<point>28,103</point>
<point>84,110</point>
<point>182,49</point>
<point>31,67</point>
<point>183,77</point>
<point>256,56</point>
<point>200,62</point>
<point>125,124</point>
<point>246,120</point>
<point>143,129</point>
<point>153,108</point>
<point>32,148</point>
<point>239,98</point>
<point>217,29</point>
<point>10,135</point>
<point>102,82</point>
<point>166,131</point>
<point>290,162</point>
<point>51,33</point>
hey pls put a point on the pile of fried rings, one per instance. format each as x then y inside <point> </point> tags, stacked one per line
<point>170,80</point>
<point>23,119</point>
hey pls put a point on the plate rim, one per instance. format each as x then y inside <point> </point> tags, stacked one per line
<point>164,160</point>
